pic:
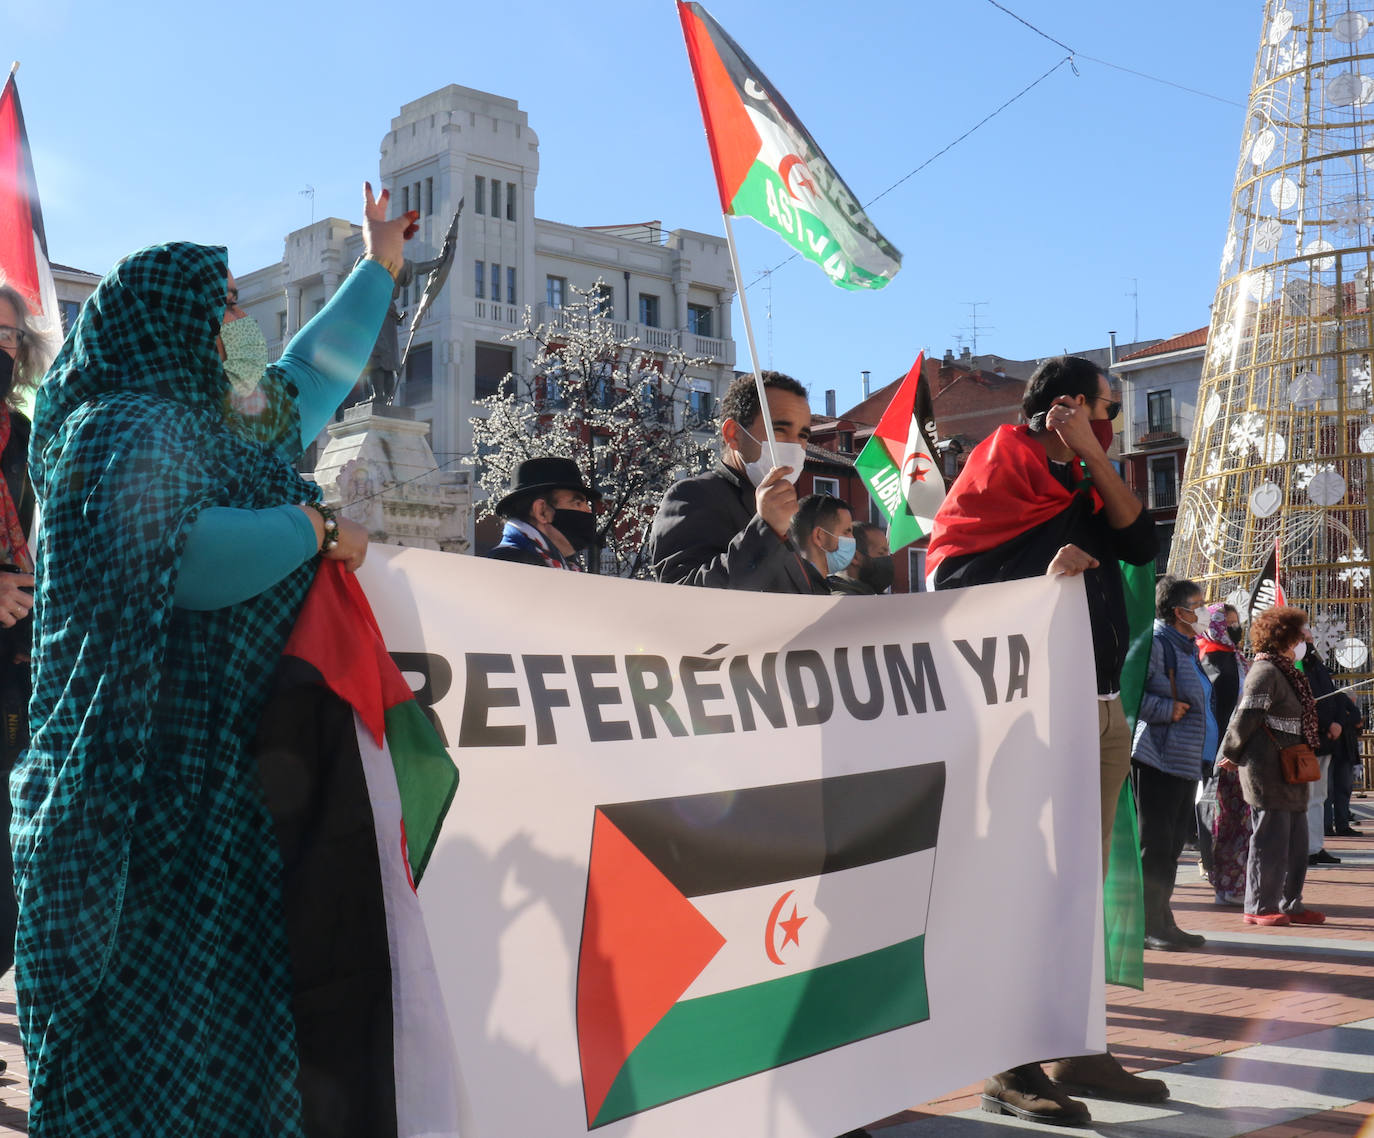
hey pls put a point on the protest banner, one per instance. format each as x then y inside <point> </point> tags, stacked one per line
<point>726,862</point>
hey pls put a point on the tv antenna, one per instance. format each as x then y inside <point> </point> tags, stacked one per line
<point>309,192</point>
<point>1134,294</point>
<point>974,327</point>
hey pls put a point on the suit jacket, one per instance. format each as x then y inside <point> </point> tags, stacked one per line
<point>706,532</point>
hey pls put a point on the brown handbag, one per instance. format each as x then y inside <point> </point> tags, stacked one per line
<point>1298,762</point>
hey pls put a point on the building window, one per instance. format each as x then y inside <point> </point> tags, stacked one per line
<point>415,198</point>
<point>494,364</point>
<point>1163,483</point>
<point>510,284</point>
<point>419,386</point>
<point>1159,411</point>
<point>829,486</point>
<point>700,408</point>
<point>603,299</point>
<point>495,198</point>
<point>510,201</point>
<point>479,194</point>
<point>281,325</point>
<point>699,319</point>
<point>555,288</point>
<point>495,281</point>
<point>648,310</point>
<point>405,198</point>
<point>847,442</point>
<point>69,311</point>
<point>429,195</point>
<point>479,282</point>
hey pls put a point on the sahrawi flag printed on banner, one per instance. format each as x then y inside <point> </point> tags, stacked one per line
<point>898,463</point>
<point>769,168</point>
<point>726,934</point>
<point>23,244</point>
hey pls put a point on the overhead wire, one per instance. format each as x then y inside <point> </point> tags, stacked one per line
<point>1070,59</point>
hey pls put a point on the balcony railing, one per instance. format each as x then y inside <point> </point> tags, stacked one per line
<point>1163,431</point>
<point>1164,497</point>
<point>653,339</point>
<point>497,313</point>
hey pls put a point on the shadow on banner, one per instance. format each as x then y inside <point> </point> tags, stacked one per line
<point>1123,892</point>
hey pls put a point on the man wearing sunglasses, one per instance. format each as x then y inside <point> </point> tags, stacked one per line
<point>1044,498</point>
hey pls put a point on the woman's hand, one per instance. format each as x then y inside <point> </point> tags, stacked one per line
<point>14,602</point>
<point>352,545</point>
<point>1226,765</point>
<point>385,239</point>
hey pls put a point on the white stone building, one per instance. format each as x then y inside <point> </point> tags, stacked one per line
<point>667,288</point>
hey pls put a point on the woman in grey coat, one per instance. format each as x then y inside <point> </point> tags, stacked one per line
<point>1275,710</point>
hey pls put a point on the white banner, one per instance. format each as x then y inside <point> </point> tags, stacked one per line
<point>734,863</point>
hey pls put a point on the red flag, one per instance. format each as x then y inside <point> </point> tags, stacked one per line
<point>23,244</point>
<point>1267,592</point>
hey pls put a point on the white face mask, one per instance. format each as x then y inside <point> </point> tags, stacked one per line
<point>789,454</point>
<point>1300,650</point>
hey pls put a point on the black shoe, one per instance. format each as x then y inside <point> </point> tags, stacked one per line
<point>1321,857</point>
<point>1164,944</point>
<point>1349,832</point>
<point>1187,940</point>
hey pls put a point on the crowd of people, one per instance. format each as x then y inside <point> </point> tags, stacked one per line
<point>147,918</point>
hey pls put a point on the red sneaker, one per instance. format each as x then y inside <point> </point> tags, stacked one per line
<point>1268,918</point>
<point>1307,917</point>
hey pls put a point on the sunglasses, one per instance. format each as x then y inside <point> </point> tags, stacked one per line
<point>11,337</point>
<point>1113,406</point>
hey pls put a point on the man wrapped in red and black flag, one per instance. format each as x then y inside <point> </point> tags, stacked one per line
<point>1045,498</point>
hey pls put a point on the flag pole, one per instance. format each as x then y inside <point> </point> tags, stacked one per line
<point>749,336</point>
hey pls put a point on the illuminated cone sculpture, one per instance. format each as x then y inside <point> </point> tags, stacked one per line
<point>1283,436</point>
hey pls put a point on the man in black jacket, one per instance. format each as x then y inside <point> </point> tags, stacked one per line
<point>1045,498</point>
<point>728,528</point>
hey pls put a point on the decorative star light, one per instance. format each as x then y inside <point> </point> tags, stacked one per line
<point>1361,382</point>
<point>1246,432</point>
<point>1291,55</point>
<point>1304,472</point>
<point>1212,469</point>
<point>1327,632</point>
<point>1228,252</point>
<point>1349,214</point>
<point>1358,572</point>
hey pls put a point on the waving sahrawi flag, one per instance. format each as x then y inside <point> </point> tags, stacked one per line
<point>898,463</point>
<point>769,168</point>
<point>727,934</point>
<point>23,244</point>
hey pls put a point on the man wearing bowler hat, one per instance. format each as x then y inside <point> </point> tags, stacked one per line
<point>548,515</point>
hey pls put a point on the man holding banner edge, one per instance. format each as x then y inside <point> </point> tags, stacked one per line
<point>1045,498</point>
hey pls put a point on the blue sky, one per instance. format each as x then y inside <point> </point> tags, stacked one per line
<point>152,121</point>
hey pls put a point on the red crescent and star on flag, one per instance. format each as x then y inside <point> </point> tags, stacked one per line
<point>791,929</point>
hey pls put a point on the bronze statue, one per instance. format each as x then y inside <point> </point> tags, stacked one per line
<point>386,362</point>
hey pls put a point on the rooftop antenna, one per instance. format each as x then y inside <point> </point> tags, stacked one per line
<point>309,192</point>
<point>1134,294</point>
<point>974,327</point>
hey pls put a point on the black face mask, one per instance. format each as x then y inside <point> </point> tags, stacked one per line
<point>878,573</point>
<point>578,526</point>
<point>1236,634</point>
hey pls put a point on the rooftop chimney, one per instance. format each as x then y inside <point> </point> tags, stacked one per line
<point>865,374</point>
<point>830,401</point>
<point>1111,349</point>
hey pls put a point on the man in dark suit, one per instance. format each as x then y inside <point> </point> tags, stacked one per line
<point>548,515</point>
<point>728,528</point>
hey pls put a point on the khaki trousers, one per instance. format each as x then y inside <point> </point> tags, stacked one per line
<point>1114,742</point>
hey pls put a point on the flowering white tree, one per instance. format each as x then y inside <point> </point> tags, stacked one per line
<point>621,412</point>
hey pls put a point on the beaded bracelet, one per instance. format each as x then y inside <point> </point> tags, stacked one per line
<point>331,526</point>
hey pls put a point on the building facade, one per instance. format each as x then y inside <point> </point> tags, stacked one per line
<point>670,289</point>
<point>1159,403</point>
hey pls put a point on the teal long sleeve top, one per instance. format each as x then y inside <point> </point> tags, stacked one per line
<point>232,554</point>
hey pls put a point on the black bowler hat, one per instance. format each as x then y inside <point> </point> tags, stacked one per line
<point>536,476</point>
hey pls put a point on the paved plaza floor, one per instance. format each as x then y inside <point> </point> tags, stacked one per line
<point>1264,1032</point>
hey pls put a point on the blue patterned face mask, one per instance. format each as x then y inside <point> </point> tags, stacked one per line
<point>245,354</point>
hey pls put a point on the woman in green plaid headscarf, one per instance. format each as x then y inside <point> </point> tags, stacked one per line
<point>151,959</point>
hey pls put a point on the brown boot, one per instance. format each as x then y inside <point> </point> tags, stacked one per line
<point>1103,1077</point>
<point>1026,1093</point>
